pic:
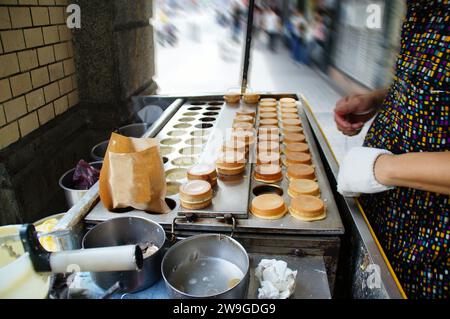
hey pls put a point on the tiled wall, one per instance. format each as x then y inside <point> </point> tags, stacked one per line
<point>38,78</point>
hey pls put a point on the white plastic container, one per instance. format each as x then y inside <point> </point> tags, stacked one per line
<point>18,280</point>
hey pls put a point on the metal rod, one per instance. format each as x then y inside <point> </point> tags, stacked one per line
<point>248,46</point>
<point>162,121</point>
<point>118,286</point>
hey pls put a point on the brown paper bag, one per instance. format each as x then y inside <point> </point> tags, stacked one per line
<point>133,175</point>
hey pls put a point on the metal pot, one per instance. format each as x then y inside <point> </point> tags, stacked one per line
<point>66,183</point>
<point>206,266</point>
<point>98,151</point>
<point>134,130</point>
<point>126,231</point>
<point>137,130</point>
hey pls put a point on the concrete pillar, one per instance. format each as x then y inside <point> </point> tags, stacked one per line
<point>114,49</point>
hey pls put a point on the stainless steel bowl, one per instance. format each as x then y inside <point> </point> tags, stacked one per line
<point>206,266</point>
<point>134,130</point>
<point>128,231</point>
<point>98,151</point>
<point>66,183</point>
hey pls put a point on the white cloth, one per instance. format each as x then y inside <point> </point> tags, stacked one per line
<point>356,174</point>
<point>277,280</point>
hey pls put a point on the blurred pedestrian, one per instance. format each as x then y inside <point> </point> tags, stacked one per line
<point>171,33</point>
<point>221,18</point>
<point>288,33</point>
<point>257,22</point>
<point>236,17</point>
<point>272,25</point>
<point>308,40</point>
<point>298,35</point>
<point>319,35</point>
<point>160,24</point>
<point>194,27</point>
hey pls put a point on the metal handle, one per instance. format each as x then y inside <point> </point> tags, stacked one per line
<point>188,218</point>
<point>117,258</point>
<point>118,286</point>
<point>229,218</point>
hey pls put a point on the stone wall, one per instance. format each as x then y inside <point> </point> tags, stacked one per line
<point>31,168</point>
<point>38,79</point>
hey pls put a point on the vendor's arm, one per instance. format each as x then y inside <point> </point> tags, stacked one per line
<point>352,112</point>
<point>366,170</point>
<point>379,96</point>
<point>423,171</point>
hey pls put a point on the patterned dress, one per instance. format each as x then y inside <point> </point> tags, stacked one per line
<point>413,226</point>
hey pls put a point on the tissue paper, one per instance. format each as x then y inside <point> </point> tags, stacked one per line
<point>276,279</point>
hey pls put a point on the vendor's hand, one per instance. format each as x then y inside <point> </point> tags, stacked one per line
<point>357,172</point>
<point>352,112</point>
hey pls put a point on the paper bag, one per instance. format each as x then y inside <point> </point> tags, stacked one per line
<point>133,175</point>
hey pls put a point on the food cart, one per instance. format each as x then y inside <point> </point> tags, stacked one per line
<point>333,256</point>
<point>337,257</point>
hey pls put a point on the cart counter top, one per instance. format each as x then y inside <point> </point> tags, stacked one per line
<point>230,209</point>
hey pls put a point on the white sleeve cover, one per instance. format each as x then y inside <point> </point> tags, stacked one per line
<point>356,173</point>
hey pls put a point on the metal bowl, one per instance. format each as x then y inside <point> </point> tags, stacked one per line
<point>68,239</point>
<point>134,130</point>
<point>98,151</point>
<point>66,183</point>
<point>206,266</point>
<point>128,231</point>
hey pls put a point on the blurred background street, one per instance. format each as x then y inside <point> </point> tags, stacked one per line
<point>199,49</point>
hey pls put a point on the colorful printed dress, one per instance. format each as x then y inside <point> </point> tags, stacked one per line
<point>413,226</point>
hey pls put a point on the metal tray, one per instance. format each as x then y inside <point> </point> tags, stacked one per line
<point>230,198</point>
<point>326,193</point>
<point>221,204</point>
